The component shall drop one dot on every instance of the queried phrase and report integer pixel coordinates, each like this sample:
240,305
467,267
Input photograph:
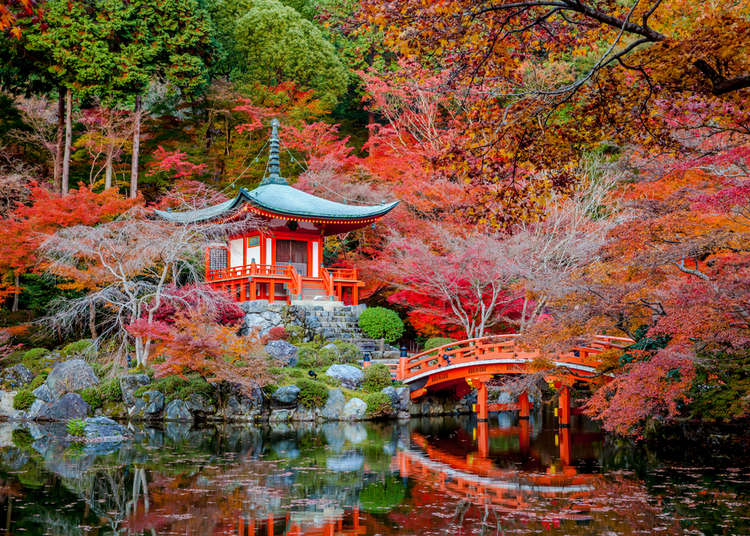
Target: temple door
292,252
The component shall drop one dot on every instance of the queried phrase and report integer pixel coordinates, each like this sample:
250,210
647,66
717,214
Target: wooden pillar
523,406
355,515
270,525
483,439
251,527
253,290
271,291
241,526
355,295
481,399
564,405
401,372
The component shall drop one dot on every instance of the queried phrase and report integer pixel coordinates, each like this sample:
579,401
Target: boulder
149,407
43,393
177,410
354,410
69,406
70,376
306,414
334,405
199,407
283,351
35,409
260,321
286,395
129,385
6,405
241,408
154,403
18,375
350,376
399,397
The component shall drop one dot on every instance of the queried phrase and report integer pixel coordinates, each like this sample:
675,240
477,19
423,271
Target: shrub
270,388
381,323
348,352
76,427
296,334
310,356
312,394
434,342
330,381
277,333
376,377
84,346
34,354
23,400
38,380
378,405
92,397
178,388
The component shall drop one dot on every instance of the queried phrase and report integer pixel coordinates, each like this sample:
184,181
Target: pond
438,476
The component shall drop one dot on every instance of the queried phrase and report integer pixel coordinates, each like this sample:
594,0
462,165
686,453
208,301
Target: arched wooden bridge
473,363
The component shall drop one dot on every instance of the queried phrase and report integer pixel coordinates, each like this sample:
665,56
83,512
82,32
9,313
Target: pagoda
282,259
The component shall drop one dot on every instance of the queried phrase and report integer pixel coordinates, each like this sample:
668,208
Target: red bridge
473,362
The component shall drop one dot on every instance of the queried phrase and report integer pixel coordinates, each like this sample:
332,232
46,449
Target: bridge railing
498,347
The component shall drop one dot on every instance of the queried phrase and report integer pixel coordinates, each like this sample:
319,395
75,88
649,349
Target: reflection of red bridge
475,476
286,525
476,361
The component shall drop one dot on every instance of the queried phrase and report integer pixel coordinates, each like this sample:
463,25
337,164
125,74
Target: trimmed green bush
434,342
23,400
381,323
76,427
312,394
77,348
348,352
296,334
34,354
376,378
378,405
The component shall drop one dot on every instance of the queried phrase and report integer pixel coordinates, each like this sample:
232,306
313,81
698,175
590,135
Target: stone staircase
336,321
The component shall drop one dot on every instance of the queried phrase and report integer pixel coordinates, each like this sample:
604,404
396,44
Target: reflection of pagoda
284,259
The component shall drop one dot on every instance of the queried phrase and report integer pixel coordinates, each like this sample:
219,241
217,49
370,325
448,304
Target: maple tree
26,227
194,341
132,264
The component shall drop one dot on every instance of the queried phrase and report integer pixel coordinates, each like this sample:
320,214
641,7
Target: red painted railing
498,347
325,275
346,274
264,270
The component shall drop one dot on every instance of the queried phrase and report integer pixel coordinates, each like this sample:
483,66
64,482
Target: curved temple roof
284,200
276,196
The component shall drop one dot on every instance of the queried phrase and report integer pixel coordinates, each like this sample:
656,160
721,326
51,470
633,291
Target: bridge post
564,405
523,405
482,412
401,372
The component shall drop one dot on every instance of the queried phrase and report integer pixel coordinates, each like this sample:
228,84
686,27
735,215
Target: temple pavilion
283,259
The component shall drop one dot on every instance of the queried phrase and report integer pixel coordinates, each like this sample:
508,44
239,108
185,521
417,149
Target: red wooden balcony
283,282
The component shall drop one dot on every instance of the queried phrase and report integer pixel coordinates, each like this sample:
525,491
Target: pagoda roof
285,201
275,197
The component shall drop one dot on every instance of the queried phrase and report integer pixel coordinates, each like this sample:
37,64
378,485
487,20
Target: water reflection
447,476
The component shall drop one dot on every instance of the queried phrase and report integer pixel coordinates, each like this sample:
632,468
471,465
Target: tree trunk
92,321
108,166
68,141
60,141
136,147
17,293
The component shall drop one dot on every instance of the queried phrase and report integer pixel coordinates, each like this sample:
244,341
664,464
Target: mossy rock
23,400
84,347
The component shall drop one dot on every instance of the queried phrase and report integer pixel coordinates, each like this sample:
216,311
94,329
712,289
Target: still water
441,476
